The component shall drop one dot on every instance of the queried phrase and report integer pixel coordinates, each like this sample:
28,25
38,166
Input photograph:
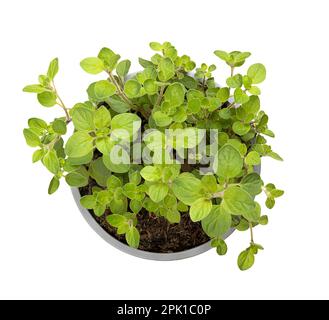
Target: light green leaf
77,178
175,94
102,118
125,125
37,155
156,46
133,237
104,89
235,81
229,163
123,68
158,192
53,186
252,183
150,173
50,161
59,126
253,158
238,201
223,94
132,88
83,119
52,69
187,188
241,128
257,73
31,138
99,172
117,104
47,98
161,119
35,88
217,223
79,144
240,96
150,86
118,162
116,220
221,248
200,209
92,65
246,259
88,201
109,58
222,55
252,106
166,69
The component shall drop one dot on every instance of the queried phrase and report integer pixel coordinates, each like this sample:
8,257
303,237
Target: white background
48,251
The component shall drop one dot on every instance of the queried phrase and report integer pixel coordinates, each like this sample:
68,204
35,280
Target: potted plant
165,161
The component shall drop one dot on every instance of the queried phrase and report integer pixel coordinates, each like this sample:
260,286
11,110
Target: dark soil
157,234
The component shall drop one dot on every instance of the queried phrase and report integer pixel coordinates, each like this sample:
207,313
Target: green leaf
222,55
35,88
53,185
158,192
263,220
200,209
47,98
119,162
52,69
104,89
238,202
79,144
274,155
150,86
217,223
51,162
117,104
223,94
59,126
31,138
240,96
194,105
99,172
270,203
92,65
125,125
135,205
37,155
246,259
150,173
175,94
229,163
241,128
102,118
161,119
166,69
276,193
156,46
253,158
173,216
132,88
145,63
235,81
116,220
252,183
254,90
257,73
123,68
83,119
104,144
252,106
187,188
88,202
109,58
78,178
221,247
133,237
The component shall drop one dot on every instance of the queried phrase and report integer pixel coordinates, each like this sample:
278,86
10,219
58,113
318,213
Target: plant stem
124,97
61,104
232,71
251,233
160,96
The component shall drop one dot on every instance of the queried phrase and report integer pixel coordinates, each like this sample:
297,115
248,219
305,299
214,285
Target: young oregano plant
165,140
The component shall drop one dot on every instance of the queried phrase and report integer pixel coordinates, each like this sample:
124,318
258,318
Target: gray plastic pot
140,253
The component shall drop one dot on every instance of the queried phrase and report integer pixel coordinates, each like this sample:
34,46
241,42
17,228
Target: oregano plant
169,140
